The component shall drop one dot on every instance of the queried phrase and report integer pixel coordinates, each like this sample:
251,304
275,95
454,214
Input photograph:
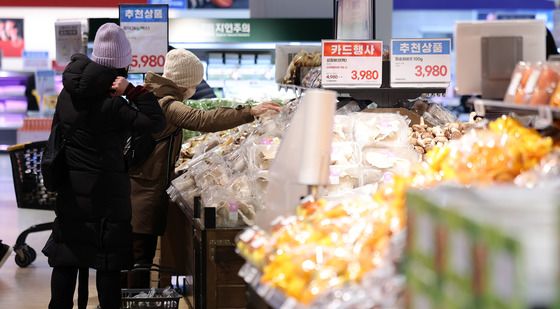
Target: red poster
70,3
11,37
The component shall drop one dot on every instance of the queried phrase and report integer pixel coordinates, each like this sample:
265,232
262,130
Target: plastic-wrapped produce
380,129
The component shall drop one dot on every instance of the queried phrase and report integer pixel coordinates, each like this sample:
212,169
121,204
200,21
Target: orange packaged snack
547,82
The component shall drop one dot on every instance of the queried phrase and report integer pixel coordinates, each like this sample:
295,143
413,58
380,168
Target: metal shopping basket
30,193
133,298
130,300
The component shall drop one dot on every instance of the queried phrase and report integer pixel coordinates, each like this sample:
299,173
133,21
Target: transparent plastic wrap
545,174
398,160
237,160
259,180
533,83
211,141
546,84
231,210
436,114
262,154
343,128
516,90
345,153
214,172
343,179
380,129
312,79
328,245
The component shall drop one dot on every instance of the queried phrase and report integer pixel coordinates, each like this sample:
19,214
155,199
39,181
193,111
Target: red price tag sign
142,61
146,27
420,63
352,64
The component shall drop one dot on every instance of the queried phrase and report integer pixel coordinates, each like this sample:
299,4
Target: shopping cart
30,193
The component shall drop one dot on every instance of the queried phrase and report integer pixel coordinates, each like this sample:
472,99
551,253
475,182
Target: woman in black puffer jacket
93,211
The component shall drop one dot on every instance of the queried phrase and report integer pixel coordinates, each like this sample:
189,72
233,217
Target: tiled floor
26,288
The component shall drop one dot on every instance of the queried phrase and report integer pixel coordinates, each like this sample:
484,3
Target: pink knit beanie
111,48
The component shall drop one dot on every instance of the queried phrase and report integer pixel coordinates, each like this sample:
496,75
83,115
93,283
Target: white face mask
189,93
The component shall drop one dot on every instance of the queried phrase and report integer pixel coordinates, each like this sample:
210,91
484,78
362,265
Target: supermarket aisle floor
25,288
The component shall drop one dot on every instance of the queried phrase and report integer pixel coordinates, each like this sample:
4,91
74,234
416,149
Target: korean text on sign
352,49
143,14
421,47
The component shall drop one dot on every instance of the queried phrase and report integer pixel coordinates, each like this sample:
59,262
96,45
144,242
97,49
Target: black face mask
122,72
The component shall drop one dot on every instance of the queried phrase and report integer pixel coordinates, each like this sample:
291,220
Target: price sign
352,64
146,27
420,63
69,40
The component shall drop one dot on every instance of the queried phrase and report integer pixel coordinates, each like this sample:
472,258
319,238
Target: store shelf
383,97
494,109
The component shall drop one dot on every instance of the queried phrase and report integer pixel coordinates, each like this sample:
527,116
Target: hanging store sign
420,63
182,30
146,27
173,4
352,64
69,40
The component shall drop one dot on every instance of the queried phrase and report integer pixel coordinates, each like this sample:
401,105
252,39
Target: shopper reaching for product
183,71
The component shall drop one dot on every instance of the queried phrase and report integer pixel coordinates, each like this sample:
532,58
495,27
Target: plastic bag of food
395,159
380,129
312,79
516,90
546,84
343,179
439,115
343,128
345,153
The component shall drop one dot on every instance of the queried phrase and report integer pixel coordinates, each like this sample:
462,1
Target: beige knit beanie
184,69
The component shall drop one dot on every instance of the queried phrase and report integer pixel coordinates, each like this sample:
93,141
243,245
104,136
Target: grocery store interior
414,161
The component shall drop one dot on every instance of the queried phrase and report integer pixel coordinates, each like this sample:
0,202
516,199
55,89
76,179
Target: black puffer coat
93,211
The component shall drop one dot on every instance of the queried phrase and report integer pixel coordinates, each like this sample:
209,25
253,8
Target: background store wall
321,9
39,27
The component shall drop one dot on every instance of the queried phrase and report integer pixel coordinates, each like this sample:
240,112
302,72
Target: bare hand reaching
262,108
119,86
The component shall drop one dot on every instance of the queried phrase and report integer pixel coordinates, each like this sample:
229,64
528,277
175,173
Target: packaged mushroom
345,153
263,153
343,128
300,60
398,160
380,129
424,138
343,179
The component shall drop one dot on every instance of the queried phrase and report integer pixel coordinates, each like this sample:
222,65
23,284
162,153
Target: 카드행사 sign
352,64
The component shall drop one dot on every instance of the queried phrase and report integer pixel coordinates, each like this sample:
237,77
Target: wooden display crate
215,264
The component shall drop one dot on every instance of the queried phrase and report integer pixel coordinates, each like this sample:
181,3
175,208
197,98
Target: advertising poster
218,4
68,40
11,37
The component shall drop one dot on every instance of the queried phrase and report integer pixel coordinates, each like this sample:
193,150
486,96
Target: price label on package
352,64
146,27
420,63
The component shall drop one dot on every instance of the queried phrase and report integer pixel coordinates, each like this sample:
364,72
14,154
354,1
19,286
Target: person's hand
119,86
262,108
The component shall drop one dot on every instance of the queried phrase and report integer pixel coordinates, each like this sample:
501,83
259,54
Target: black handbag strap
74,126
